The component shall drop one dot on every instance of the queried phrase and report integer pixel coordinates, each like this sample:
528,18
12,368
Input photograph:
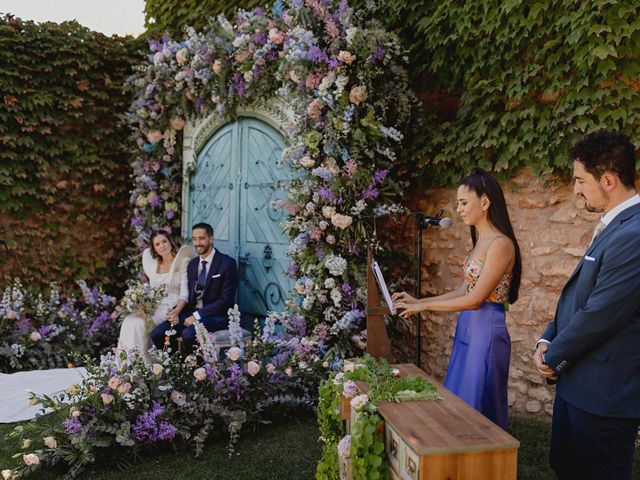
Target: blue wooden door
238,177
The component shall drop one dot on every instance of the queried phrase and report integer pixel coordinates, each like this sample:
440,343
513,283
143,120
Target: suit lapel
213,269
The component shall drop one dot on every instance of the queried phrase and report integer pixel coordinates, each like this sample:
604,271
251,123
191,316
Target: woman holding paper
479,365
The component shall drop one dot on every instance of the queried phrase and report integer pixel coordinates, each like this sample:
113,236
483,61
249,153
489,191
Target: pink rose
11,315
154,137
234,354
346,57
31,459
106,398
276,36
271,367
200,374
331,239
113,383
341,221
253,368
35,337
307,161
50,442
314,109
157,369
358,95
124,388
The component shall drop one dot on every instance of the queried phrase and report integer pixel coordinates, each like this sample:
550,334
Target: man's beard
590,208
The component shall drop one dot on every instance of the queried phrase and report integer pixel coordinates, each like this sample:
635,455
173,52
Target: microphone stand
420,225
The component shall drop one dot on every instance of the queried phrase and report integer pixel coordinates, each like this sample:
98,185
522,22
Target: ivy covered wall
504,83
64,153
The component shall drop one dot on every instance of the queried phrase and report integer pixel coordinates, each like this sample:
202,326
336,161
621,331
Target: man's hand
538,362
190,320
172,316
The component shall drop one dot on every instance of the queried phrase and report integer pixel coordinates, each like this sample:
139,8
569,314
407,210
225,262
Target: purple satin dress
479,366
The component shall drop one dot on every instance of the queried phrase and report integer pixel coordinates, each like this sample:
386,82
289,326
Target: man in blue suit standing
592,347
207,291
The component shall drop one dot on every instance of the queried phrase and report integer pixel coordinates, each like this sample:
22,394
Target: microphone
442,222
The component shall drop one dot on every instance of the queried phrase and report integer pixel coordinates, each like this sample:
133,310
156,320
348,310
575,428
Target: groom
207,291
592,347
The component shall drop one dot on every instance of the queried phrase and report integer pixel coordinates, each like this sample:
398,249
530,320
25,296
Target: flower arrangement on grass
126,405
365,445
344,79
39,331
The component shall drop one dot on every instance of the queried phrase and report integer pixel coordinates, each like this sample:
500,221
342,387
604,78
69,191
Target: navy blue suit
595,351
218,296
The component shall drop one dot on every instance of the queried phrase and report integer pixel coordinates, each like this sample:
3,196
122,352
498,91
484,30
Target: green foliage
64,163
530,78
331,427
172,16
368,460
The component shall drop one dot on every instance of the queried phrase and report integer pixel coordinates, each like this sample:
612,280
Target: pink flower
346,57
276,36
234,354
200,374
316,233
360,401
323,225
307,161
154,137
113,382
331,239
106,398
7,475
288,371
35,337
11,315
314,109
328,211
341,221
31,459
157,369
178,398
177,123
50,442
358,95
253,368
271,367
124,388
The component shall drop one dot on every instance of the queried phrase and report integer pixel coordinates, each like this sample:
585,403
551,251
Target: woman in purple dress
479,365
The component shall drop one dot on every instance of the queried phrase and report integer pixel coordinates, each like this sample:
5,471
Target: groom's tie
202,278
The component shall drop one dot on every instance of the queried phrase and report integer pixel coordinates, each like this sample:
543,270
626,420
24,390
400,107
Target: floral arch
341,79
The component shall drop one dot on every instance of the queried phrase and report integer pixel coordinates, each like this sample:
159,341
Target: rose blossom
154,137
271,367
314,109
177,123
346,57
328,211
341,221
106,398
276,36
349,388
234,354
157,369
50,442
31,459
359,402
253,368
35,336
200,374
331,239
358,95
124,388
307,161
11,315
113,383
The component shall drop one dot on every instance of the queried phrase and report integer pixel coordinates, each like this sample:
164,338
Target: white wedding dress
14,387
133,332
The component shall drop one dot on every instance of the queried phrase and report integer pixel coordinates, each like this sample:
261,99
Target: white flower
50,442
181,56
336,296
75,412
157,369
335,264
234,354
200,374
395,372
351,33
253,368
330,283
7,474
302,365
360,401
31,459
328,211
288,371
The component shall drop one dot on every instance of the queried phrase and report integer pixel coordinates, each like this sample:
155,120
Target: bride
164,264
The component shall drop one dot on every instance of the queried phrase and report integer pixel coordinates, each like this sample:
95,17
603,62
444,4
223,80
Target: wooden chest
443,439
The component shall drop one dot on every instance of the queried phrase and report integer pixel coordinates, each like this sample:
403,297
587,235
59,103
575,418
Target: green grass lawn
287,450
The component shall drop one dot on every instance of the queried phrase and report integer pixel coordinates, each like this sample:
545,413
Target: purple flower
147,429
292,270
23,326
377,55
316,55
238,84
379,176
370,193
170,214
156,201
333,63
326,194
72,426
137,221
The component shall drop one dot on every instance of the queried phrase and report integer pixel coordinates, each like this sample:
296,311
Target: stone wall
553,231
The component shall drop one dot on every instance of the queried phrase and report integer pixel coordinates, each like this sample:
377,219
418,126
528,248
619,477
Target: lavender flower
73,426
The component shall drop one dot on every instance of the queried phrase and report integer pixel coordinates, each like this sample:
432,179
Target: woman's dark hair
604,151
482,183
164,233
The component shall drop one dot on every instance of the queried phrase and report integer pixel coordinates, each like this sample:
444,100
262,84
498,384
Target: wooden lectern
378,344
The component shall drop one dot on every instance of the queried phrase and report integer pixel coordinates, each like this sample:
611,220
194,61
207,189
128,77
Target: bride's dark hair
482,183
164,233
